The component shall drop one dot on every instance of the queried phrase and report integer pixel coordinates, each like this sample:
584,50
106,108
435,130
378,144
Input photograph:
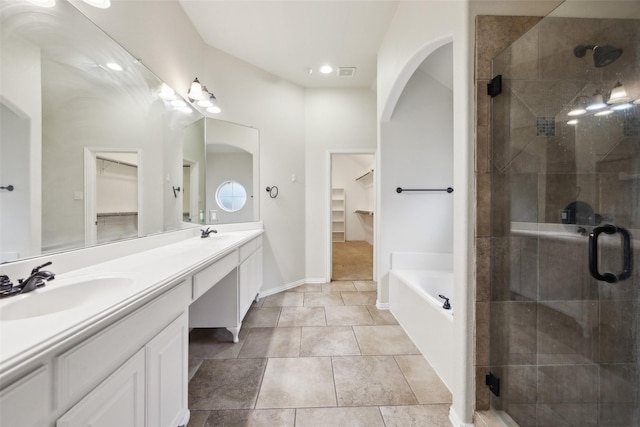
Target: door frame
90,197
194,189
327,207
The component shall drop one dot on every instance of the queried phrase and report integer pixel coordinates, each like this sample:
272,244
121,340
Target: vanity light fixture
102,4
603,113
577,111
206,98
618,94
622,106
215,108
179,103
596,102
195,91
167,93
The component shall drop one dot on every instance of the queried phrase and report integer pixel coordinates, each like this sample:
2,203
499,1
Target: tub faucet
446,304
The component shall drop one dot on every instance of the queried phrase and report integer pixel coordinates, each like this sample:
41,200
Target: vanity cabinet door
167,371
27,402
117,401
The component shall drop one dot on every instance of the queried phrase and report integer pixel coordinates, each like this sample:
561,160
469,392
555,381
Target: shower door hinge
495,87
493,382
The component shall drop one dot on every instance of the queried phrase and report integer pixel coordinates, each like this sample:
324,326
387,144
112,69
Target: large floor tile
370,380
297,383
384,340
416,416
226,384
284,299
425,383
328,341
261,317
348,316
339,286
322,299
307,287
252,418
365,285
214,343
352,417
302,316
381,317
359,298
271,342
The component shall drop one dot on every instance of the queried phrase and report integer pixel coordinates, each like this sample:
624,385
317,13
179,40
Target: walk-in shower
565,226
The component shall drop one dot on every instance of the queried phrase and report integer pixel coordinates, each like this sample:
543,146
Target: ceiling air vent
346,71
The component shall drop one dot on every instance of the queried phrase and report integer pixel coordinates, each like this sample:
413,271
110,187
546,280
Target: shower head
602,55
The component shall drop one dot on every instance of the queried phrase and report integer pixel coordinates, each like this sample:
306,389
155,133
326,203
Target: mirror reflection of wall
194,170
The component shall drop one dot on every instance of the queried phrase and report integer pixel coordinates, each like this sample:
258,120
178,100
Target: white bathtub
415,281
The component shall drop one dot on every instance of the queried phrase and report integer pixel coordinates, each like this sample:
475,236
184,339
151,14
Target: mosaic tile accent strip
545,126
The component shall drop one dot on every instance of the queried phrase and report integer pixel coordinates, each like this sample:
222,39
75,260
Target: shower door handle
627,254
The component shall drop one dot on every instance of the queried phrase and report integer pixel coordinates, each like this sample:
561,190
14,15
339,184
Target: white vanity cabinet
150,388
225,304
117,401
27,402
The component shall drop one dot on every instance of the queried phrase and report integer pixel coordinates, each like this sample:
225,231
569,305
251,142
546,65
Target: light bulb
195,91
596,103
618,94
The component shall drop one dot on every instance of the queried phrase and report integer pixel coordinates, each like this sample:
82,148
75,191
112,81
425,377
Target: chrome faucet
205,233
34,281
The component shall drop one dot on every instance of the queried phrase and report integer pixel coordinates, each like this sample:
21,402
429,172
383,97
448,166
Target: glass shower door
565,242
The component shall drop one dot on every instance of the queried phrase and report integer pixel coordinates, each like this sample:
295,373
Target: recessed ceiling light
113,66
326,69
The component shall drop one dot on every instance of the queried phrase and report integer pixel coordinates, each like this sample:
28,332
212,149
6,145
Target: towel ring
273,191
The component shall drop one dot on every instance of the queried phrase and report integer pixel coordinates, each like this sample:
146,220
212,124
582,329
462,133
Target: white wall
417,30
345,168
336,120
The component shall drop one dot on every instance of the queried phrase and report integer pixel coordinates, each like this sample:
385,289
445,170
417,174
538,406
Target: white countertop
151,272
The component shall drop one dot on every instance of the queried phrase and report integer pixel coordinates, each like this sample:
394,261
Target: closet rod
117,162
400,189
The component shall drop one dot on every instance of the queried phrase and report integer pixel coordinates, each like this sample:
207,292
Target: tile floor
316,355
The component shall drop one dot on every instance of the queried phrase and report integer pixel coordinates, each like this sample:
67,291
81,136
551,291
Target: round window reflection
231,196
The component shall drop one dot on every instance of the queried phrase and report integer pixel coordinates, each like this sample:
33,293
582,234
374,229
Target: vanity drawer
81,368
249,248
209,276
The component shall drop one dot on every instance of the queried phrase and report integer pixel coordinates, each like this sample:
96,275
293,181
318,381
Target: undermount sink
63,294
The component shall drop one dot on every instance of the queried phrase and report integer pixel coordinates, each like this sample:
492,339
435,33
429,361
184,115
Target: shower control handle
627,254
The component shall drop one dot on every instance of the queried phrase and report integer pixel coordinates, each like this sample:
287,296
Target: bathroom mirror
72,100
232,174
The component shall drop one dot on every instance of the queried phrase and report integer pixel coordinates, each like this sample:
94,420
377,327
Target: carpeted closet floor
352,260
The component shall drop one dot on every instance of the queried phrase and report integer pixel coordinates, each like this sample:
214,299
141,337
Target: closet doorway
352,215
113,195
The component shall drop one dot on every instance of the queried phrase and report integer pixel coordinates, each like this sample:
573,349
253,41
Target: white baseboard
382,305
455,420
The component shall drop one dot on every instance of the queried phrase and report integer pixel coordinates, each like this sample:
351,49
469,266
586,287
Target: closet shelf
365,175
364,212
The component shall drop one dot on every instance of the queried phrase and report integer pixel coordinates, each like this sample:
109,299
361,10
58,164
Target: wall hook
8,187
175,191
273,191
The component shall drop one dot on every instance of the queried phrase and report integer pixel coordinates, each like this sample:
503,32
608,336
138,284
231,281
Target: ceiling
290,37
